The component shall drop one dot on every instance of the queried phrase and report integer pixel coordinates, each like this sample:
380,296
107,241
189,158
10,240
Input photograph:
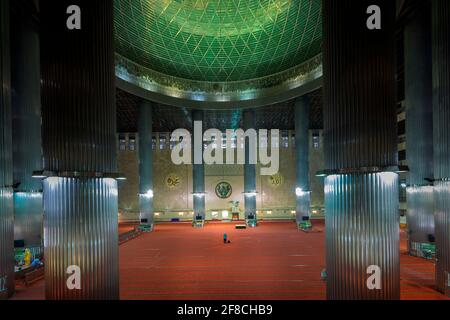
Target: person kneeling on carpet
225,239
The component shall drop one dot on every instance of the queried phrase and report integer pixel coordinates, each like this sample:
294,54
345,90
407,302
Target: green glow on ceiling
218,40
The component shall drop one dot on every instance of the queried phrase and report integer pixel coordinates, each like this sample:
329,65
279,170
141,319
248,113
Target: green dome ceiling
218,40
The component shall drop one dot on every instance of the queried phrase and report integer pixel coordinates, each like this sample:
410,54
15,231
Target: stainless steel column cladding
362,218
79,132
6,170
419,127
249,118
27,144
146,163
303,194
362,214
441,116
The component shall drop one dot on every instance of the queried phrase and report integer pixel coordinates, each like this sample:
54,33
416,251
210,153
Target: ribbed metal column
27,145
79,128
249,118
81,230
442,221
303,194
362,230
420,216
146,163
198,169
419,126
441,115
28,218
6,196
361,202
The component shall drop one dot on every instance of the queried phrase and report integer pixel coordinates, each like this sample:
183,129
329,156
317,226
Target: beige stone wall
128,165
173,186
316,163
175,196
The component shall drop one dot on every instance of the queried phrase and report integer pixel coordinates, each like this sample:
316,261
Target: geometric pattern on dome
218,40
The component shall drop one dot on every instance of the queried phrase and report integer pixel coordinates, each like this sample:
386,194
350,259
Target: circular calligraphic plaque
173,181
276,180
224,190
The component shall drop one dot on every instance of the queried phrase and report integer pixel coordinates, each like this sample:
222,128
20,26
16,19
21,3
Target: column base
442,223
199,208
250,210
362,236
81,239
252,223
198,223
147,228
146,213
303,209
6,244
420,219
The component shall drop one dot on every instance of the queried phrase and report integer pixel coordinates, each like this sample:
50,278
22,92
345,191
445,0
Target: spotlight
148,194
388,177
300,193
39,175
321,174
199,194
53,181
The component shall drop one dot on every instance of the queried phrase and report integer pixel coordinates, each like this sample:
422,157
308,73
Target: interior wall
173,184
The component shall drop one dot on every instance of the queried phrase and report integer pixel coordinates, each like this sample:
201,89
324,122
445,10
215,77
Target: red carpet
417,276
273,261
127,227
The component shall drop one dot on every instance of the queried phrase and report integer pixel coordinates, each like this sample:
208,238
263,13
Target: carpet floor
273,261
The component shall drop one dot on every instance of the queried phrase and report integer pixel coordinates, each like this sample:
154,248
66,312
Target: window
132,143
285,139
275,140
154,142
264,142
173,143
122,143
213,142
234,142
224,141
316,140
162,141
